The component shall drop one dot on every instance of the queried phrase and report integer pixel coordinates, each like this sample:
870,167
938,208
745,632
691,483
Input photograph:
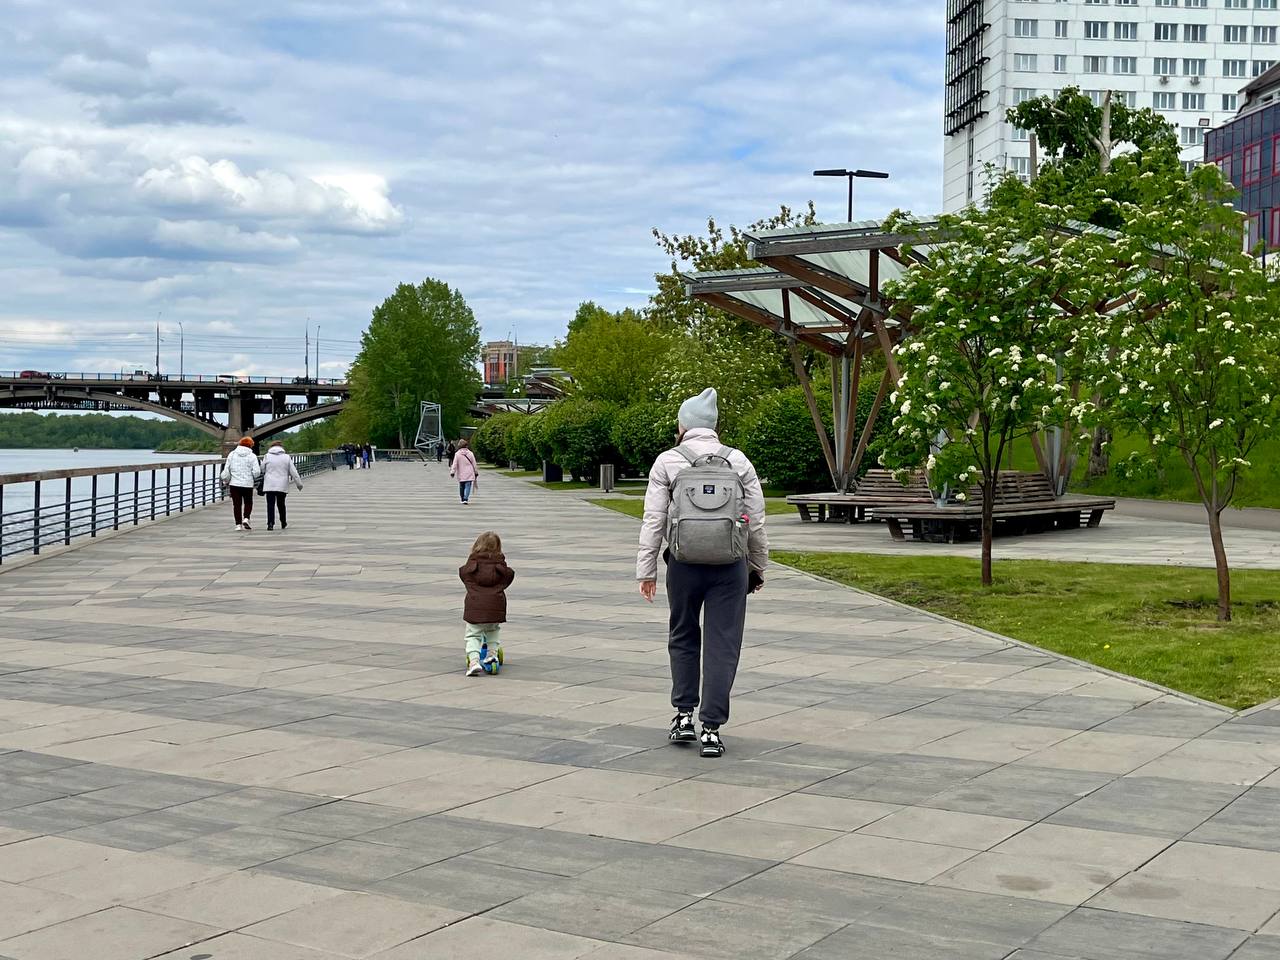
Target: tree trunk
988,527
1099,458
1220,561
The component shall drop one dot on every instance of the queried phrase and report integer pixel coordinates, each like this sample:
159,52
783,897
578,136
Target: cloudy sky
246,167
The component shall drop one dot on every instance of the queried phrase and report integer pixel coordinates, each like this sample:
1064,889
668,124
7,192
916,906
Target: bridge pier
240,410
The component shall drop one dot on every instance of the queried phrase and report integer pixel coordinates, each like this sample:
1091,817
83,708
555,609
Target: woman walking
240,473
278,471
465,470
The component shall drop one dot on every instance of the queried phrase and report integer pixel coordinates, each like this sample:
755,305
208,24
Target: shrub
781,442
492,441
641,432
524,439
575,435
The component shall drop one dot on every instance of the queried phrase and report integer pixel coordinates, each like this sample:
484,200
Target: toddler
487,577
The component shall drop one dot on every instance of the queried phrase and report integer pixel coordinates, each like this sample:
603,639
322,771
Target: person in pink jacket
464,469
714,593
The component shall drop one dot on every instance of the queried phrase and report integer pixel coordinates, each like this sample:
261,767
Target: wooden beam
823,279
869,427
838,242
851,411
886,345
761,317
805,384
830,309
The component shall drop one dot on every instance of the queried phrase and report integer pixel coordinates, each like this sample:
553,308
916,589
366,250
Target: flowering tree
989,339
1192,357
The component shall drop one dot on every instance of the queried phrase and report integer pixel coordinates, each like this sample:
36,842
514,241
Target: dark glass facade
965,93
1247,150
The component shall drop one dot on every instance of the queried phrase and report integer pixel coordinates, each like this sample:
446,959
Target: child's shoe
474,669
492,663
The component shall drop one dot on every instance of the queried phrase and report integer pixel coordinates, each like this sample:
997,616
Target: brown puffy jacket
487,576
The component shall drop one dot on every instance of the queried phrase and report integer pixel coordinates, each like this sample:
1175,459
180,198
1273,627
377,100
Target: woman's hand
649,589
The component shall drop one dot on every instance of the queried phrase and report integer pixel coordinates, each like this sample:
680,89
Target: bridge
192,399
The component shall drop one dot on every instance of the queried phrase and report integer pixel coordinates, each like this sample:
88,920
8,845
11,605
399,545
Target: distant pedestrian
464,468
487,577
449,451
713,562
278,471
366,454
349,452
240,473
439,450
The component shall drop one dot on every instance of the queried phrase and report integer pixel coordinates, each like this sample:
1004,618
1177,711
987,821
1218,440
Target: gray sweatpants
720,591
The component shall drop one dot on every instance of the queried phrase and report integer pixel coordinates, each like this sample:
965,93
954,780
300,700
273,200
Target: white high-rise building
1187,59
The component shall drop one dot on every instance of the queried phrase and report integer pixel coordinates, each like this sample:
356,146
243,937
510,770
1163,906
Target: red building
501,358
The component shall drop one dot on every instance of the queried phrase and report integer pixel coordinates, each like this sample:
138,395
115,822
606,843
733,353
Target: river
19,498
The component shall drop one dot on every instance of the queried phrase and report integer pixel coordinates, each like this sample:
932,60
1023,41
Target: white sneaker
238,527
474,669
246,526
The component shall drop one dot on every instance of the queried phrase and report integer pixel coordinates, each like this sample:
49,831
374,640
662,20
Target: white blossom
1216,424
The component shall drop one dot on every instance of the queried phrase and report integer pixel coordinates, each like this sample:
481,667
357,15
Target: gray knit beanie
700,411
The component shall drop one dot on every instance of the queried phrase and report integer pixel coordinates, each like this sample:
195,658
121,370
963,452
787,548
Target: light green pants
481,633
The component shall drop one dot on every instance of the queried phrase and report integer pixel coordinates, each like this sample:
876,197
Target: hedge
576,436
642,431
492,441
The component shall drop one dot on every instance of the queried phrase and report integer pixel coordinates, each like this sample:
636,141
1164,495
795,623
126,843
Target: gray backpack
706,521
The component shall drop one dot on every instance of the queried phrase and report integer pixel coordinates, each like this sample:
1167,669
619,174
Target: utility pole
157,345
182,348
306,350
317,353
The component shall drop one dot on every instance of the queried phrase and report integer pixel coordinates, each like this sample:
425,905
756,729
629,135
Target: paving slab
319,780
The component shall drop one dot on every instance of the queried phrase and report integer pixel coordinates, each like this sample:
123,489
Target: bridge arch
297,419
112,401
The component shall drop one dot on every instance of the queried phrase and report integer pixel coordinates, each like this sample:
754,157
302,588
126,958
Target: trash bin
606,477
551,473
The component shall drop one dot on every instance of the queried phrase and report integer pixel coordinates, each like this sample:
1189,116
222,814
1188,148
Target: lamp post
851,174
182,349
317,353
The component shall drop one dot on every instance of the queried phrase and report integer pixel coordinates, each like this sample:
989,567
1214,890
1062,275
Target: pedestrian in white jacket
240,473
720,590
278,471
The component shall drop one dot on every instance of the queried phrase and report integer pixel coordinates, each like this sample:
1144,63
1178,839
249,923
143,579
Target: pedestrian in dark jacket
487,577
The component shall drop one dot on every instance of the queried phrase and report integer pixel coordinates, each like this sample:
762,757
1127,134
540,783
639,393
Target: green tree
576,435
981,367
524,442
642,431
614,357
492,441
1191,358
423,343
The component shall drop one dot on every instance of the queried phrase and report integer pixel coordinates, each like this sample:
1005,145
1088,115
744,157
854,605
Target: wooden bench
877,488
1024,503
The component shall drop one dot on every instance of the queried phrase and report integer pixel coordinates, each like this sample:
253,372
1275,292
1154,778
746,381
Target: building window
1235,33
1252,163
1166,3
1026,28
1164,101
1237,4
1021,167
1264,4
1193,101
1128,97
1192,136
1195,32
1124,64
1024,62
1059,63
1126,31
1166,31
1095,96
1189,166
1060,29
1234,68
1095,30
968,190
1023,94
1017,134
1126,3
1264,34
1095,3
1262,66
1095,64
1275,160
1192,68
1197,3
1230,101
1165,66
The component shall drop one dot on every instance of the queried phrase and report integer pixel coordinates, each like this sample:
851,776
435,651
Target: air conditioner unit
1195,81
1164,80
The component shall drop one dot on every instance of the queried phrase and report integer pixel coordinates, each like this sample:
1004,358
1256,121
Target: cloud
123,89
355,202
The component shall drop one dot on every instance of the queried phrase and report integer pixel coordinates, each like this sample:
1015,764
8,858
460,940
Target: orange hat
246,441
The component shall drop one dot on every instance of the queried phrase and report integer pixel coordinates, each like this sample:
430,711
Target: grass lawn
521,474
1156,623
635,508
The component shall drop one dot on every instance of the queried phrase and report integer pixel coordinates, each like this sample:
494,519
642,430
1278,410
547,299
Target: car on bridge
33,375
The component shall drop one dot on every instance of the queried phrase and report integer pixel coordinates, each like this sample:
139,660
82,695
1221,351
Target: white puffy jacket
242,468
278,470
657,500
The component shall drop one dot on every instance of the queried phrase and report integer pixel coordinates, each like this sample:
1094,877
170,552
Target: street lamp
851,174
182,348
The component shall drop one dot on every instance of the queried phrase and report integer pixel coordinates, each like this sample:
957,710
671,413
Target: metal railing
146,376
53,507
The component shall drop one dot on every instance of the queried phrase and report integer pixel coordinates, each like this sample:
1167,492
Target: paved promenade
226,746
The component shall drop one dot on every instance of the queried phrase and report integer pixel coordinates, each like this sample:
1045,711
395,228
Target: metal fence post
93,507
168,489
35,521
153,494
1,523
115,504
66,516
135,497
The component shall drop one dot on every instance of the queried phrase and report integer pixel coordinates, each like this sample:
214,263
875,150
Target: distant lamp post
851,174
182,350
